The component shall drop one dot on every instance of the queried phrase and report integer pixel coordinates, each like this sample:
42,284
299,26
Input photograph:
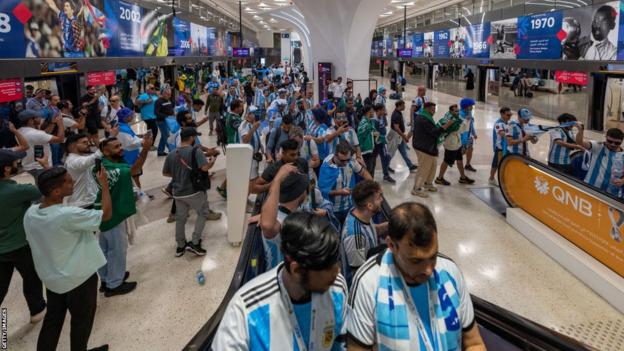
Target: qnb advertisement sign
589,222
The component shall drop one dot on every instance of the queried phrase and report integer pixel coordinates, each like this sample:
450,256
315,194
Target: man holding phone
38,139
249,134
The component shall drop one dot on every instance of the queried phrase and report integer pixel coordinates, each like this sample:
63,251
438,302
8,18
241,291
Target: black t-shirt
92,109
397,118
271,171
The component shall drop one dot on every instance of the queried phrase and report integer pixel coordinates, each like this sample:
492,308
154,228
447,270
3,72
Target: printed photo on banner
199,40
418,40
476,40
428,45
457,40
154,31
441,43
503,39
590,33
13,15
66,28
220,43
123,26
614,103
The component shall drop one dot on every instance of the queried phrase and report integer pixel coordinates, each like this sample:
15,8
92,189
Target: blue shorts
498,156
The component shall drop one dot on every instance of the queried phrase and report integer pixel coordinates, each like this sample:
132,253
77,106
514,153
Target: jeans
57,154
164,135
403,152
81,303
381,151
21,259
114,244
197,202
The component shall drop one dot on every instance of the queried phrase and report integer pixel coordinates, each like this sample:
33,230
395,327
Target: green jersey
232,122
122,193
365,135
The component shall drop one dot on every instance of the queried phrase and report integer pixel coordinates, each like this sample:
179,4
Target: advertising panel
540,35
418,40
69,28
503,39
476,41
181,44
10,90
101,78
441,43
240,52
428,44
123,25
324,79
590,33
404,53
592,224
13,15
569,77
457,42
154,33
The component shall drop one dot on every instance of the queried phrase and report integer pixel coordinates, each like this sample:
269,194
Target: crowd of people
339,274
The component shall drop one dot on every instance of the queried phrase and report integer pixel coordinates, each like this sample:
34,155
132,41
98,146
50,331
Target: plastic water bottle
201,279
617,170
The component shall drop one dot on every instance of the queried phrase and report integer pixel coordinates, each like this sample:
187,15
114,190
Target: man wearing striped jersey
408,298
249,134
562,144
337,178
603,155
300,304
517,138
499,141
360,233
287,192
342,132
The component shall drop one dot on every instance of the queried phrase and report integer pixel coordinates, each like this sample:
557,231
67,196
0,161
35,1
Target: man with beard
113,236
300,304
603,23
359,232
79,162
408,298
14,250
37,138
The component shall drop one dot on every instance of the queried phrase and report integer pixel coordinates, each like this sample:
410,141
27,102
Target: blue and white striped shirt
257,318
600,166
357,238
244,129
343,180
499,135
516,131
272,253
349,136
259,99
559,155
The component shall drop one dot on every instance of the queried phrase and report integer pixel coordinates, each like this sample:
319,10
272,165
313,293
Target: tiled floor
169,306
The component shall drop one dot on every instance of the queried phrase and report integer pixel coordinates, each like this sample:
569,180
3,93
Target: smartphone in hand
98,165
38,151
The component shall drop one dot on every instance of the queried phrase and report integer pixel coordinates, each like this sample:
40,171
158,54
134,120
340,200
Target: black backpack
220,129
200,179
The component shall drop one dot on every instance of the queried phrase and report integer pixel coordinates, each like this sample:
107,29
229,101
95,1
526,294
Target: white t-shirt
85,186
35,137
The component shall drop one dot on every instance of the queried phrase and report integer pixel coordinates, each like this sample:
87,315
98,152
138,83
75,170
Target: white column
238,168
341,32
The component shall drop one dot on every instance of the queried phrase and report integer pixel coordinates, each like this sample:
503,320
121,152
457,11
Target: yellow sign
593,224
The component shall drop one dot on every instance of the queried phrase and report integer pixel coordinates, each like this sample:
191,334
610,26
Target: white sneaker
420,192
493,182
38,317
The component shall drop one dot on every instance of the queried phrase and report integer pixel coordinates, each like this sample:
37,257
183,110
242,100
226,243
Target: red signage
101,78
10,90
568,77
378,62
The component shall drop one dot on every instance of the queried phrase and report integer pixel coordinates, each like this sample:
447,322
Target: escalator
501,329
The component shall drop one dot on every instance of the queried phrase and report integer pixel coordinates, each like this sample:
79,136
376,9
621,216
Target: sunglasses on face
613,142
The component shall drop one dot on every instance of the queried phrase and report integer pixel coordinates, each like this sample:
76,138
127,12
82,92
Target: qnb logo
541,185
563,196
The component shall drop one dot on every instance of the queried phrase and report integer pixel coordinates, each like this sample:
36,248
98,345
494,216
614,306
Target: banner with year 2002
124,27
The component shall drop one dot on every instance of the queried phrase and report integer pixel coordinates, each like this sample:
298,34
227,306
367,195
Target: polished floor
499,264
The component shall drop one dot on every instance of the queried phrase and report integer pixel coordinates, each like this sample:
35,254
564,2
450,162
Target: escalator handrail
502,322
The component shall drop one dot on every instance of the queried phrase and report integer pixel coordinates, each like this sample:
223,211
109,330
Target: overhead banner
199,40
181,43
587,221
539,36
418,40
13,15
124,27
101,78
10,90
441,43
476,41
457,42
428,44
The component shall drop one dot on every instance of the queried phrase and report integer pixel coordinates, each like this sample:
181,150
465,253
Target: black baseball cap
188,132
293,186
